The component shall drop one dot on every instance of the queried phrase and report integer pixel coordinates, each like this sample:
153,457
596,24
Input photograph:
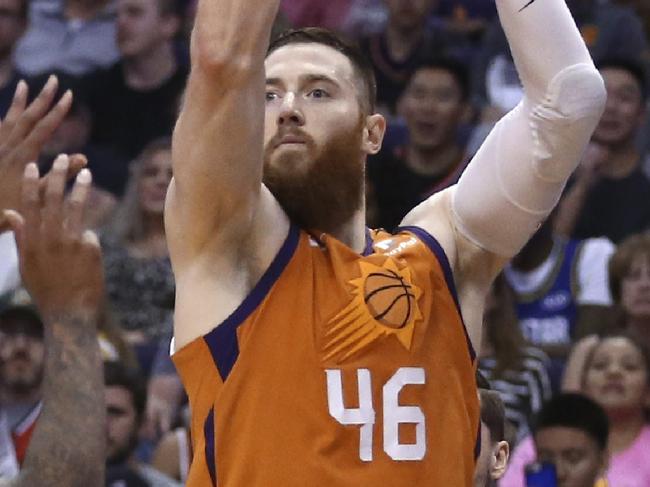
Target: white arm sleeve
593,272
518,174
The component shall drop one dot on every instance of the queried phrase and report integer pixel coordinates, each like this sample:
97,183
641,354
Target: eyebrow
305,79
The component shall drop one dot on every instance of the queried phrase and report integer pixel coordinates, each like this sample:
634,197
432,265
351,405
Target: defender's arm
218,139
518,174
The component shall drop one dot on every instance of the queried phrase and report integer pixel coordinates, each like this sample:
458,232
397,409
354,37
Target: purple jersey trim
222,340
208,434
439,252
369,250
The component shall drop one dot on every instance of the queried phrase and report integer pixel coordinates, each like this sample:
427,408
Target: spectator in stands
13,21
398,49
136,99
434,106
74,36
610,189
610,31
514,369
561,292
615,372
495,451
125,404
571,432
138,272
22,355
629,279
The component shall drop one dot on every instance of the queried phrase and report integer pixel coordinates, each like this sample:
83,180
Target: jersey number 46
394,414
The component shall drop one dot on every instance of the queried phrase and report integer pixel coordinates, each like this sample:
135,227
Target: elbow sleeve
518,175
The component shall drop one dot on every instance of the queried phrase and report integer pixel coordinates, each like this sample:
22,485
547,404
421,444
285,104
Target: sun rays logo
385,303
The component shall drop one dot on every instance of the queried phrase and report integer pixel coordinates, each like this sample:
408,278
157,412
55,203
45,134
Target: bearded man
315,351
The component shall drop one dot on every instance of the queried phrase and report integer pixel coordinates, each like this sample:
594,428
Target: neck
353,232
432,162
150,69
82,10
622,162
624,429
6,69
11,397
402,42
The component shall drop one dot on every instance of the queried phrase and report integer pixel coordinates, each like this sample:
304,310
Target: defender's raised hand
23,132
60,263
62,270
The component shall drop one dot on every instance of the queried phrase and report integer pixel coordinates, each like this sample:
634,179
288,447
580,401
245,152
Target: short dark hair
493,414
455,68
316,35
631,66
117,374
574,411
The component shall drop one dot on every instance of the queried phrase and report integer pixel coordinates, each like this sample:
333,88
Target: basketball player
315,352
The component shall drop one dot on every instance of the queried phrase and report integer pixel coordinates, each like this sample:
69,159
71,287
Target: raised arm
61,268
218,140
517,176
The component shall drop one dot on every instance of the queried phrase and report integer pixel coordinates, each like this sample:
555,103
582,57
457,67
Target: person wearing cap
22,355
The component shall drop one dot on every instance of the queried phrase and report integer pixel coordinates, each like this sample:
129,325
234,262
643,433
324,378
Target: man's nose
290,113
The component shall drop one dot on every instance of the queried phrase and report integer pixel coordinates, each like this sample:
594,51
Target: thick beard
330,191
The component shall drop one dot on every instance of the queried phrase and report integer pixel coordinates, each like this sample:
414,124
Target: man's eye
318,93
270,96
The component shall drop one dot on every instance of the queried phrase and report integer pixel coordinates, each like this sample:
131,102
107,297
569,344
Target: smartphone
541,474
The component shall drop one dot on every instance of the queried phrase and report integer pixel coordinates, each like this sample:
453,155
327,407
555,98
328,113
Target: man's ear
500,456
373,133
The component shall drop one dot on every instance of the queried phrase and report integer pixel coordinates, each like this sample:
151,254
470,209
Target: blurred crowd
567,325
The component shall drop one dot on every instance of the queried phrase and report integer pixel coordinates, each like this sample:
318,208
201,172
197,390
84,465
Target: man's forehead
311,58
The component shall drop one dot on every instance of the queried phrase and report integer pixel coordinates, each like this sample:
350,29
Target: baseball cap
18,314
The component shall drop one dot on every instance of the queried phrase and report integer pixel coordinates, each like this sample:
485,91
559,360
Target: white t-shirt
591,272
9,273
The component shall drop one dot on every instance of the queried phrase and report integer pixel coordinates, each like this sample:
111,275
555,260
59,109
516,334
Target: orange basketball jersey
338,369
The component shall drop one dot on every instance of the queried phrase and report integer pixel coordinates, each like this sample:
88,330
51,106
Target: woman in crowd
139,278
615,372
629,281
517,371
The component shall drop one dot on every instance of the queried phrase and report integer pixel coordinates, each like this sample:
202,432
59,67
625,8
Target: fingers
28,118
14,221
77,163
77,205
17,107
40,127
54,191
31,204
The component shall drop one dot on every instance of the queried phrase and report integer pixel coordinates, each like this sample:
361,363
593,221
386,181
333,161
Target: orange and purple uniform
338,369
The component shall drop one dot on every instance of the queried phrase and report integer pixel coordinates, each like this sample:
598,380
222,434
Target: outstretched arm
517,176
61,267
218,140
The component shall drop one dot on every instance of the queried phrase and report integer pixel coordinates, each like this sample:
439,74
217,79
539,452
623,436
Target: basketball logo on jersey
384,303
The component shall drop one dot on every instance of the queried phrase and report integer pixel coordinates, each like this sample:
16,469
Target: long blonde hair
127,223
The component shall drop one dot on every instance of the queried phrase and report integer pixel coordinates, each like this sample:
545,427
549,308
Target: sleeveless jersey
548,317
337,370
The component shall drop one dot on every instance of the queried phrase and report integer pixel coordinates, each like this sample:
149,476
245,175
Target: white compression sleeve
517,176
